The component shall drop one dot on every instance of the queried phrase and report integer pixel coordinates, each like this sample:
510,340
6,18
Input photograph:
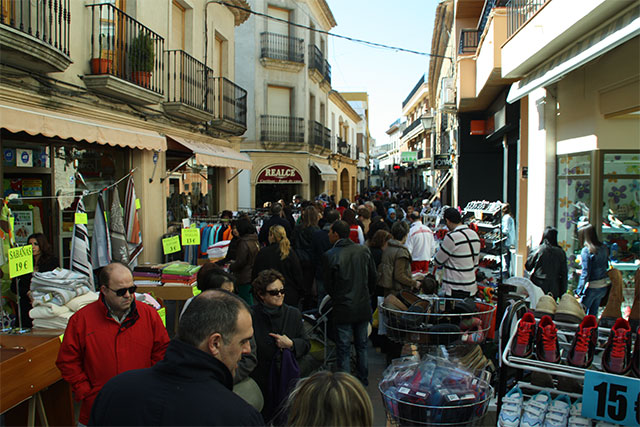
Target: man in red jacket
109,336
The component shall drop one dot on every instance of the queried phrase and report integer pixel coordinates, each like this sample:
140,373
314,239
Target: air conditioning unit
447,93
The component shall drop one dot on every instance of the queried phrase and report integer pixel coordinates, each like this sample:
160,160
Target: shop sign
442,161
612,398
279,174
409,156
24,158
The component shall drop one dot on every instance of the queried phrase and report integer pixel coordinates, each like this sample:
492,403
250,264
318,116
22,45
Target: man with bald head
109,336
192,384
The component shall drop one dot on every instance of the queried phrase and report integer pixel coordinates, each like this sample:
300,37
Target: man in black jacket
350,279
275,219
319,245
192,384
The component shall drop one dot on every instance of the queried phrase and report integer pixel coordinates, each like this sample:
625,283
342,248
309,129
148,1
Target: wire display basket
404,408
439,321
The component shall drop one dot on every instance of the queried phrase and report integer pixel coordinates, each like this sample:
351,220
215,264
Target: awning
35,121
327,173
215,155
596,43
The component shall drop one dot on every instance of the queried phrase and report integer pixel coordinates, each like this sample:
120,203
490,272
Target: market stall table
178,293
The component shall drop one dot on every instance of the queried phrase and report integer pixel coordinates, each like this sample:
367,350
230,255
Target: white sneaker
555,419
511,408
558,412
535,410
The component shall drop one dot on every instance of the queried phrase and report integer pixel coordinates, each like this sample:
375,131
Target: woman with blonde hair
342,400
279,256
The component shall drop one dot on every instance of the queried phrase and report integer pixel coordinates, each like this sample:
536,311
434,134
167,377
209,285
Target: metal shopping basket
440,323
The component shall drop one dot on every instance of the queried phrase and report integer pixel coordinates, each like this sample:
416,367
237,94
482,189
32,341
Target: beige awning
36,121
327,173
215,155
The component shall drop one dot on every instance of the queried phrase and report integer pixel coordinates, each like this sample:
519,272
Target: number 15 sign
612,398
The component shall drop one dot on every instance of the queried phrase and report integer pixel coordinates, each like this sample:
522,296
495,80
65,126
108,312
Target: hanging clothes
80,249
101,240
132,224
119,248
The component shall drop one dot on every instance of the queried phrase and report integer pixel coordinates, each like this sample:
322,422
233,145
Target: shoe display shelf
566,332
435,324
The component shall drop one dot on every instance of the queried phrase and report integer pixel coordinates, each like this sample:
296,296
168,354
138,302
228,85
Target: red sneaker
617,352
547,348
584,343
523,344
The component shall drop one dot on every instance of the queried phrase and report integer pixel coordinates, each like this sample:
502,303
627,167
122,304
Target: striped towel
100,241
80,249
119,249
131,223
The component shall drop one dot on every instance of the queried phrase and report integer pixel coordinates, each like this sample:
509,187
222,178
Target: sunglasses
122,291
276,292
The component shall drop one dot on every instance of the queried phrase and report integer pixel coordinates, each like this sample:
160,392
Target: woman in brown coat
247,250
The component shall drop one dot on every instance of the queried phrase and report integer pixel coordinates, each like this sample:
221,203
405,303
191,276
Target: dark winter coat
302,242
248,248
269,257
273,220
350,280
549,265
187,387
320,244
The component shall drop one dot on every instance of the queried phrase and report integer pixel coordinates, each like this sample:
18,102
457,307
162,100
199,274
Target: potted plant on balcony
103,64
141,59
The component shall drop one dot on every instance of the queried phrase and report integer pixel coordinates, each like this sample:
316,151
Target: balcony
343,148
319,136
519,12
319,68
187,95
281,52
34,34
127,58
230,106
281,129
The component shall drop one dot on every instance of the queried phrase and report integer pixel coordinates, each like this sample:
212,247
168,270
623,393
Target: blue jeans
343,347
592,299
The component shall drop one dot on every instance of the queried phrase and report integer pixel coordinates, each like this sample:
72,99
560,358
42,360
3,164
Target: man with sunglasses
109,336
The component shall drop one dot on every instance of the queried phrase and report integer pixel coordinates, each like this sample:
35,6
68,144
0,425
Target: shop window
191,194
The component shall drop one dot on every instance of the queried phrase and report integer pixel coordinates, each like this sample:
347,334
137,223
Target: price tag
170,245
196,291
190,236
163,316
20,261
611,398
80,218
138,204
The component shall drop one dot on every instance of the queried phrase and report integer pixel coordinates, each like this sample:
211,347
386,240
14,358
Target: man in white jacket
420,243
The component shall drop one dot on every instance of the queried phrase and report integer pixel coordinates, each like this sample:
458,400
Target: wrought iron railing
186,77
284,48
468,40
281,129
317,62
414,124
319,135
124,48
519,12
230,101
327,71
46,20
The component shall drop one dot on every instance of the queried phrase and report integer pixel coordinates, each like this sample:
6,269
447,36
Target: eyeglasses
276,292
120,292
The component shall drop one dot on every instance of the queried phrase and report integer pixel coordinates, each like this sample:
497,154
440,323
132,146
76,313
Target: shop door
344,184
274,192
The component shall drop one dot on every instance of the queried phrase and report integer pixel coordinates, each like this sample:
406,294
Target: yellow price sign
190,236
20,261
163,316
80,218
138,204
170,245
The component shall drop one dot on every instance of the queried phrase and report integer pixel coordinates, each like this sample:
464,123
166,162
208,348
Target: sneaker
558,412
546,306
616,358
575,416
535,410
635,361
511,408
547,348
584,343
525,336
569,310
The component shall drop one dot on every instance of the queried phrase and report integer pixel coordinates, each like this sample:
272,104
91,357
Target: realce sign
279,174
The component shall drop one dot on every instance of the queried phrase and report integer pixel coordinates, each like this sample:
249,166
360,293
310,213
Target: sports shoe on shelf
511,408
523,342
635,360
584,343
575,416
569,310
535,410
558,411
547,348
546,306
616,358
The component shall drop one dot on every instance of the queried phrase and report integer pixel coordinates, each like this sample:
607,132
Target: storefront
277,182
347,172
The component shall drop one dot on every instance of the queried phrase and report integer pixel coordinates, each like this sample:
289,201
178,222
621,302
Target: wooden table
29,378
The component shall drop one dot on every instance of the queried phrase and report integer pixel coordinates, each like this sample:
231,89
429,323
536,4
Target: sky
387,76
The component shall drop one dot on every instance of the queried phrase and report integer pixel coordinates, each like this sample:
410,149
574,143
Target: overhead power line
365,42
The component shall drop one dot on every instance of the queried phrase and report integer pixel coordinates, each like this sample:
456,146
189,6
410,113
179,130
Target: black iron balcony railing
230,101
414,124
468,40
327,71
343,148
124,48
281,129
284,48
46,20
319,135
317,62
326,138
186,81
519,12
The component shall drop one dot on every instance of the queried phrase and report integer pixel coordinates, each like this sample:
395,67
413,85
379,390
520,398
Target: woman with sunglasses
43,260
280,339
